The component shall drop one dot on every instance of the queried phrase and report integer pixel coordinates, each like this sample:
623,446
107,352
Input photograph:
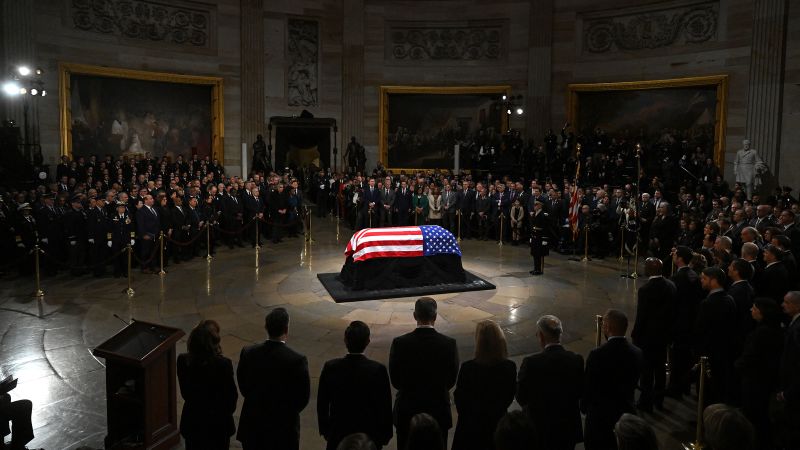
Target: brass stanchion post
308,215
415,217
502,218
258,233
370,218
38,292
337,222
621,243
599,330
161,255
458,218
208,243
130,290
698,438
585,242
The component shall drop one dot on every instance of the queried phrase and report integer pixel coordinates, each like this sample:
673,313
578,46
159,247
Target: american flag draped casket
395,257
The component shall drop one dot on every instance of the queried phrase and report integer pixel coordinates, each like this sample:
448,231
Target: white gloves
132,242
91,241
73,242
109,244
45,241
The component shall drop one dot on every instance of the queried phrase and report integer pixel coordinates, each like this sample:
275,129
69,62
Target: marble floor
47,343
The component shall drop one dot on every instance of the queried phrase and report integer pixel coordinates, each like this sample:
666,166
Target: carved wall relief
302,56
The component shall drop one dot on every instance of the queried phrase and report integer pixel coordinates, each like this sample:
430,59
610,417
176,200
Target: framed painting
126,113
691,109
420,126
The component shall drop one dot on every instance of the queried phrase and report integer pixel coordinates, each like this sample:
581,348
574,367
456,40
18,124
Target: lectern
141,389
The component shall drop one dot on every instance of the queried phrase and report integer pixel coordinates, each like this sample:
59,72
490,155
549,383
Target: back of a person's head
615,322
490,343
203,342
356,441
356,336
516,431
277,322
424,434
425,309
726,428
634,433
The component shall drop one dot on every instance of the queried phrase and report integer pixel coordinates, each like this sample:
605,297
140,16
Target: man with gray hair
789,386
550,386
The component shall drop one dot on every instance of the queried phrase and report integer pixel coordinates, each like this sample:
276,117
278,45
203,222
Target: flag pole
574,206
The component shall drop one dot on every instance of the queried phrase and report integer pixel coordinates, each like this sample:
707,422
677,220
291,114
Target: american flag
574,201
401,242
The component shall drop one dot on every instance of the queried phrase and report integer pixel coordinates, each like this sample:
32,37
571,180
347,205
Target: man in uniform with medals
540,231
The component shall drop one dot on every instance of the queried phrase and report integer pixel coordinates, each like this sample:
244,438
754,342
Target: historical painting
302,54
687,111
132,113
424,127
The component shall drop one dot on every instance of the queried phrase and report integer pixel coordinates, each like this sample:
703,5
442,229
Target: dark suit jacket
774,282
209,395
790,366
688,296
354,397
373,196
612,372
716,319
742,295
423,366
482,396
655,314
148,223
402,203
275,384
758,365
549,389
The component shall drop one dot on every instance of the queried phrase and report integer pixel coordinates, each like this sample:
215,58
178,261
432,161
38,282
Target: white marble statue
748,167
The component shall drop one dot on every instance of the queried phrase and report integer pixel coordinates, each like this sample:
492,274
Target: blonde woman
435,206
485,389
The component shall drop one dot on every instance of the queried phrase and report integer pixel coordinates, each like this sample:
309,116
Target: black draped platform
393,273
342,293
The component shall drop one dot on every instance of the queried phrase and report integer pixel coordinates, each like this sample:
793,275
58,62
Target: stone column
540,40
253,99
18,48
765,89
352,77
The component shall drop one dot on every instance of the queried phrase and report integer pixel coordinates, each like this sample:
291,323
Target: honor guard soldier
540,230
121,235
26,235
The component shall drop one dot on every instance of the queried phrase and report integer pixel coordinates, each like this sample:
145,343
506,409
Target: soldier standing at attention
540,230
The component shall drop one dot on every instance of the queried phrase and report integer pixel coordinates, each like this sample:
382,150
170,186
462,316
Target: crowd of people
554,387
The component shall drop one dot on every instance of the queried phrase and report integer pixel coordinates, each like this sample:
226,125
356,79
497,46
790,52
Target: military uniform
121,234
77,236
26,236
539,240
98,227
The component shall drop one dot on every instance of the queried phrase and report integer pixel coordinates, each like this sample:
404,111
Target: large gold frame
720,81
383,111
65,70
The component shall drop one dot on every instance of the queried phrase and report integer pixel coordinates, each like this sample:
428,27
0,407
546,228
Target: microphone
121,319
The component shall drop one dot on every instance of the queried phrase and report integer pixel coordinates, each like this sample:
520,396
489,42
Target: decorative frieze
446,42
302,56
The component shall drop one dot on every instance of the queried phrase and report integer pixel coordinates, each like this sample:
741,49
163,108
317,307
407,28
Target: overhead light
34,91
508,111
505,97
519,111
39,71
11,88
44,92
23,91
24,70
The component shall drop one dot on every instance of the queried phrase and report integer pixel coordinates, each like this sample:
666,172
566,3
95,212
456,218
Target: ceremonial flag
401,242
574,201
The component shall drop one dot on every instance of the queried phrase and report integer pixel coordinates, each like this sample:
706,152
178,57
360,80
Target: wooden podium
141,392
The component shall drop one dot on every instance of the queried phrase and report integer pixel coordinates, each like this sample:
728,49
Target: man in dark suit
148,226
789,385
713,328
279,207
740,290
774,281
402,204
652,332
370,206
612,371
549,387
466,206
275,384
423,366
354,393
387,203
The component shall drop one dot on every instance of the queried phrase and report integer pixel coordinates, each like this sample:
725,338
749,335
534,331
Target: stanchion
208,243
621,243
502,218
458,218
38,292
415,217
701,394
337,223
161,256
257,257
309,239
598,339
370,218
130,290
258,232
586,243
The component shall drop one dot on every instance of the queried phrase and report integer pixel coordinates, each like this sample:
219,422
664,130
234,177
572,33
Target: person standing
540,232
689,293
550,386
716,322
208,390
789,384
77,235
354,393
612,371
147,227
387,203
652,333
121,235
279,207
423,366
402,204
484,390
275,384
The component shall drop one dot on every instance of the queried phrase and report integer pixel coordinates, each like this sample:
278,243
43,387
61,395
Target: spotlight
11,88
23,91
39,71
508,111
505,97
519,111
24,70
44,92
34,91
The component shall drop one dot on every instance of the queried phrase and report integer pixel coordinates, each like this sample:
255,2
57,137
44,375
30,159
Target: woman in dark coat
759,365
208,390
485,388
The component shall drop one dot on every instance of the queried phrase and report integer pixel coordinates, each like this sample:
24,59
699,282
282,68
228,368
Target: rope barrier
150,259
190,241
81,267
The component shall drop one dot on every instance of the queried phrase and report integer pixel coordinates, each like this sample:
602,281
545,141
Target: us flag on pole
574,201
401,242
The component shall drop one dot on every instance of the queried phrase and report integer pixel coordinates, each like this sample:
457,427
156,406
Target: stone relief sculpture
653,29
302,55
143,19
442,43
